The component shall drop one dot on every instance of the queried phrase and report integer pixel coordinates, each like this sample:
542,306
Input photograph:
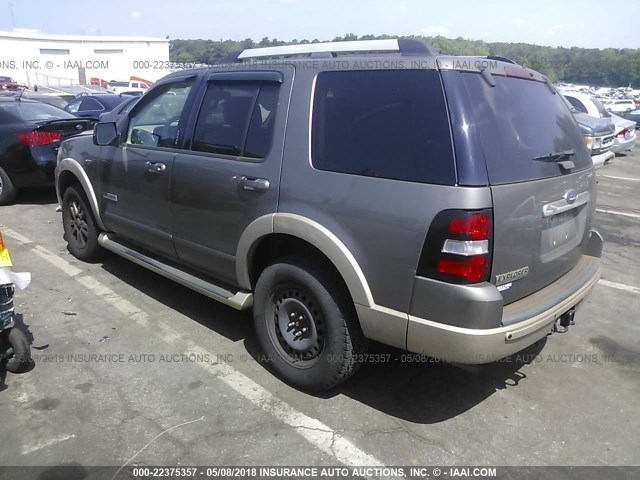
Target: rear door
542,210
229,171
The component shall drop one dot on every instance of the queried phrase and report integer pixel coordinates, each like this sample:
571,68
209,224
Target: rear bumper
602,159
623,145
476,346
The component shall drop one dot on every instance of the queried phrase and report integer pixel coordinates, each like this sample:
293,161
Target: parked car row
32,126
605,133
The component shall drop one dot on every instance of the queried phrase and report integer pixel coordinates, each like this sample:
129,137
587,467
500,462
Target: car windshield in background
33,111
511,137
7,79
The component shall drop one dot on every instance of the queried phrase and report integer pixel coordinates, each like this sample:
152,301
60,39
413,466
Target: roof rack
501,59
398,45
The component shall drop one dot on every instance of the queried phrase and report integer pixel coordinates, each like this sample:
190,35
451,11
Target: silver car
625,134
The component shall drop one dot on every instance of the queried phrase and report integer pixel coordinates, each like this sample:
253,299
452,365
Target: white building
66,60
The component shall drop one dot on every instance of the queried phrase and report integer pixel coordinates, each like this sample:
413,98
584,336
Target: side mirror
105,134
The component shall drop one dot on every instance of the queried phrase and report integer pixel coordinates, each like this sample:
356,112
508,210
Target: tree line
610,67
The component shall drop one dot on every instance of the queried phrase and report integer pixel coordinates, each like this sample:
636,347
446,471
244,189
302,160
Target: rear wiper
559,158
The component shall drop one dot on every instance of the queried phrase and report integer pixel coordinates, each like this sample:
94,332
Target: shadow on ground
36,196
418,390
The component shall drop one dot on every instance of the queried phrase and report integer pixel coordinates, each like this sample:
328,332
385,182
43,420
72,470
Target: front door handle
254,184
155,167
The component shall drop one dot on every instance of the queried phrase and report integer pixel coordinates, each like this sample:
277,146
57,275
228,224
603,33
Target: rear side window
389,124
517,121
577,103
89,103
237,119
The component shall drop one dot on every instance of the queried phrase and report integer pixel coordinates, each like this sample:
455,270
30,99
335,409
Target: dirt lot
127,356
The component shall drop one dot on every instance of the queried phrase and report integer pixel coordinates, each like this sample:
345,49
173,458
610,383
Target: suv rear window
517,121
390,124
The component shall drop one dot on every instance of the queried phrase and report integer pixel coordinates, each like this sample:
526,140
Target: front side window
389,124
237,119
157,123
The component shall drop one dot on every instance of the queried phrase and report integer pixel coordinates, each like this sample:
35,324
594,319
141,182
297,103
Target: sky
567,23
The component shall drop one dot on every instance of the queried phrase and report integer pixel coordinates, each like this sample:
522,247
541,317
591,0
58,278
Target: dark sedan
92,106
30,135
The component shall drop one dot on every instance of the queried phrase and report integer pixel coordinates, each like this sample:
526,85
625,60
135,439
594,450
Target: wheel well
280,245
66,180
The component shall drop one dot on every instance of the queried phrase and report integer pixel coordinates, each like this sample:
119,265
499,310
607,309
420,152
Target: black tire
80,227
7,189
20,361
330,350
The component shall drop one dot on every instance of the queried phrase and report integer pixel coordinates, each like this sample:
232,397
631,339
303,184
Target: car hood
592,125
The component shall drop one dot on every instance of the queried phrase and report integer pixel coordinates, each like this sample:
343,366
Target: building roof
30,35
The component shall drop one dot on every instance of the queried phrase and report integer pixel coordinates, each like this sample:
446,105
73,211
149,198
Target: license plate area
562,232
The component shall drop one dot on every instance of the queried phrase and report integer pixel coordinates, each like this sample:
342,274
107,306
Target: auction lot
132,368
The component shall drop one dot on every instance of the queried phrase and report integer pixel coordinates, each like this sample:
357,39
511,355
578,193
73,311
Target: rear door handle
254,184
155,167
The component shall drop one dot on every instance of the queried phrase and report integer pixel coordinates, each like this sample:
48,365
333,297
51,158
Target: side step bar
240,300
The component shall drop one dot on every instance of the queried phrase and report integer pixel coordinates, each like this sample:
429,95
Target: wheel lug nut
300,318
293,314
304,330
291,324
297,334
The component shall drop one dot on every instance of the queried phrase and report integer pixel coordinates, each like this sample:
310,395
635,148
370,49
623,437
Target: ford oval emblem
79,127
570,196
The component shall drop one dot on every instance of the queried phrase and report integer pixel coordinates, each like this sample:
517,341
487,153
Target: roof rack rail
500,59
399,45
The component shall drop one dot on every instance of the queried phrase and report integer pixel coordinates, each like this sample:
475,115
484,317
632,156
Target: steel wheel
296,327
306,324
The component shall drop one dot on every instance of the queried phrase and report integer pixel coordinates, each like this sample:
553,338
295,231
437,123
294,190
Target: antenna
13,18
22,92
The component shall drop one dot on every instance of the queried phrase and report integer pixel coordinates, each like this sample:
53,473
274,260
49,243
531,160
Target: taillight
33,139
622,132
458,247
477,226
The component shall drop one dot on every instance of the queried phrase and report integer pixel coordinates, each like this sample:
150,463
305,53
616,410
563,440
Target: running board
240,300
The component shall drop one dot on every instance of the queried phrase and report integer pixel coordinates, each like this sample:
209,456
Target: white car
623,105
587,104
128,86
625,134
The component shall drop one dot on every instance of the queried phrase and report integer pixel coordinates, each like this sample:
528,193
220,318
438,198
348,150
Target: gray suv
349,192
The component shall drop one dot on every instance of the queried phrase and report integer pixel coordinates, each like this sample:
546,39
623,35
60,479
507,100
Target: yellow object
5,258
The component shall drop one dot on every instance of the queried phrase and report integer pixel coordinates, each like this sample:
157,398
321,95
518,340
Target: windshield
517,121
7,79
33,111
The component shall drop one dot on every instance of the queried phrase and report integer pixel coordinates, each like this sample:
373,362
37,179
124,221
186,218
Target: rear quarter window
390,124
